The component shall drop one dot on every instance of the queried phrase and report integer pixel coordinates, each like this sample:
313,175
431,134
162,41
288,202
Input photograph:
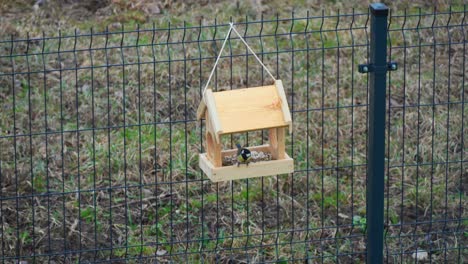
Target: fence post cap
379,9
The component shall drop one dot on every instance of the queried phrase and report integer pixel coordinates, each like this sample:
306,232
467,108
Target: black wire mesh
99,143
426,152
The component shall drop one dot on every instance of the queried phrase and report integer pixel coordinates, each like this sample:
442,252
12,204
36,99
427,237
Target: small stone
85,88
420,255
147,193
161,252
153,9
18,83
343,216
115,26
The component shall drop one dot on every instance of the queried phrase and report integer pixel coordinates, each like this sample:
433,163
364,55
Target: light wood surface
281,148
201,109
255,169
273,140
213,147
249,109
213,116
276,138
284,105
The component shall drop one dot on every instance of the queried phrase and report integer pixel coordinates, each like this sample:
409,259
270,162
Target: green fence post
377,68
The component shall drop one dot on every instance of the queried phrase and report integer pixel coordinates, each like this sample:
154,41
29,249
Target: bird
243,155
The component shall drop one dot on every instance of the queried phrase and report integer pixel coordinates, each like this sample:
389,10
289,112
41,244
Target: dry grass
118,170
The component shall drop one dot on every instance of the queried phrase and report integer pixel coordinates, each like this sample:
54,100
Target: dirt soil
48,16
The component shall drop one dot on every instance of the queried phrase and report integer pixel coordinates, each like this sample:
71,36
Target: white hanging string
247,45
232,28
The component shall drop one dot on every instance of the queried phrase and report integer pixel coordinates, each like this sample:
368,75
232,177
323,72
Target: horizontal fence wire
99,143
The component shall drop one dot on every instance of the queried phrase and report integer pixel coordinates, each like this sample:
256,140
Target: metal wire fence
99,143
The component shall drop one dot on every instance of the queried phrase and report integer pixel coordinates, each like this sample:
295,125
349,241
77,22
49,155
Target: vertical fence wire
462,131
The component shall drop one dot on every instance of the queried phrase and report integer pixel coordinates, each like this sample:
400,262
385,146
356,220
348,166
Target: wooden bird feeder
242,110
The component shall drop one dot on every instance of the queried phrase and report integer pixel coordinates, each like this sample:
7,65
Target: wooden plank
217,157
201,109
284,104
205,165
213,114
273,140
213,148
256,169
249,109
208,126
281,150
276,140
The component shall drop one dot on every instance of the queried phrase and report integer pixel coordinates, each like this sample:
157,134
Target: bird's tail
238,146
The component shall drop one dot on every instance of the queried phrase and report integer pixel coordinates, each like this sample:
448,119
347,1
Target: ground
129,184
37,16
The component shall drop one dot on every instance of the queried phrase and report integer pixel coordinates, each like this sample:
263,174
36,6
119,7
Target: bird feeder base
254,169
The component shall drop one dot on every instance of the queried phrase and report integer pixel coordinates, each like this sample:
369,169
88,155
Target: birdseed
256,156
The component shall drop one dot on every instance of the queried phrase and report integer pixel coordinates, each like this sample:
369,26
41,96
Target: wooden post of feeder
276,138
213,146
277,135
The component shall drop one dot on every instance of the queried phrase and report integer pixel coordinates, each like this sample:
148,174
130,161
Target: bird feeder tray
255,169
244,110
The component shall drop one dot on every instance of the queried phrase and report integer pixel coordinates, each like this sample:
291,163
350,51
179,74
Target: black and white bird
243,155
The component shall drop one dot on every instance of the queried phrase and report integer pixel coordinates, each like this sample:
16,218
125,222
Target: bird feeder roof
247,109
